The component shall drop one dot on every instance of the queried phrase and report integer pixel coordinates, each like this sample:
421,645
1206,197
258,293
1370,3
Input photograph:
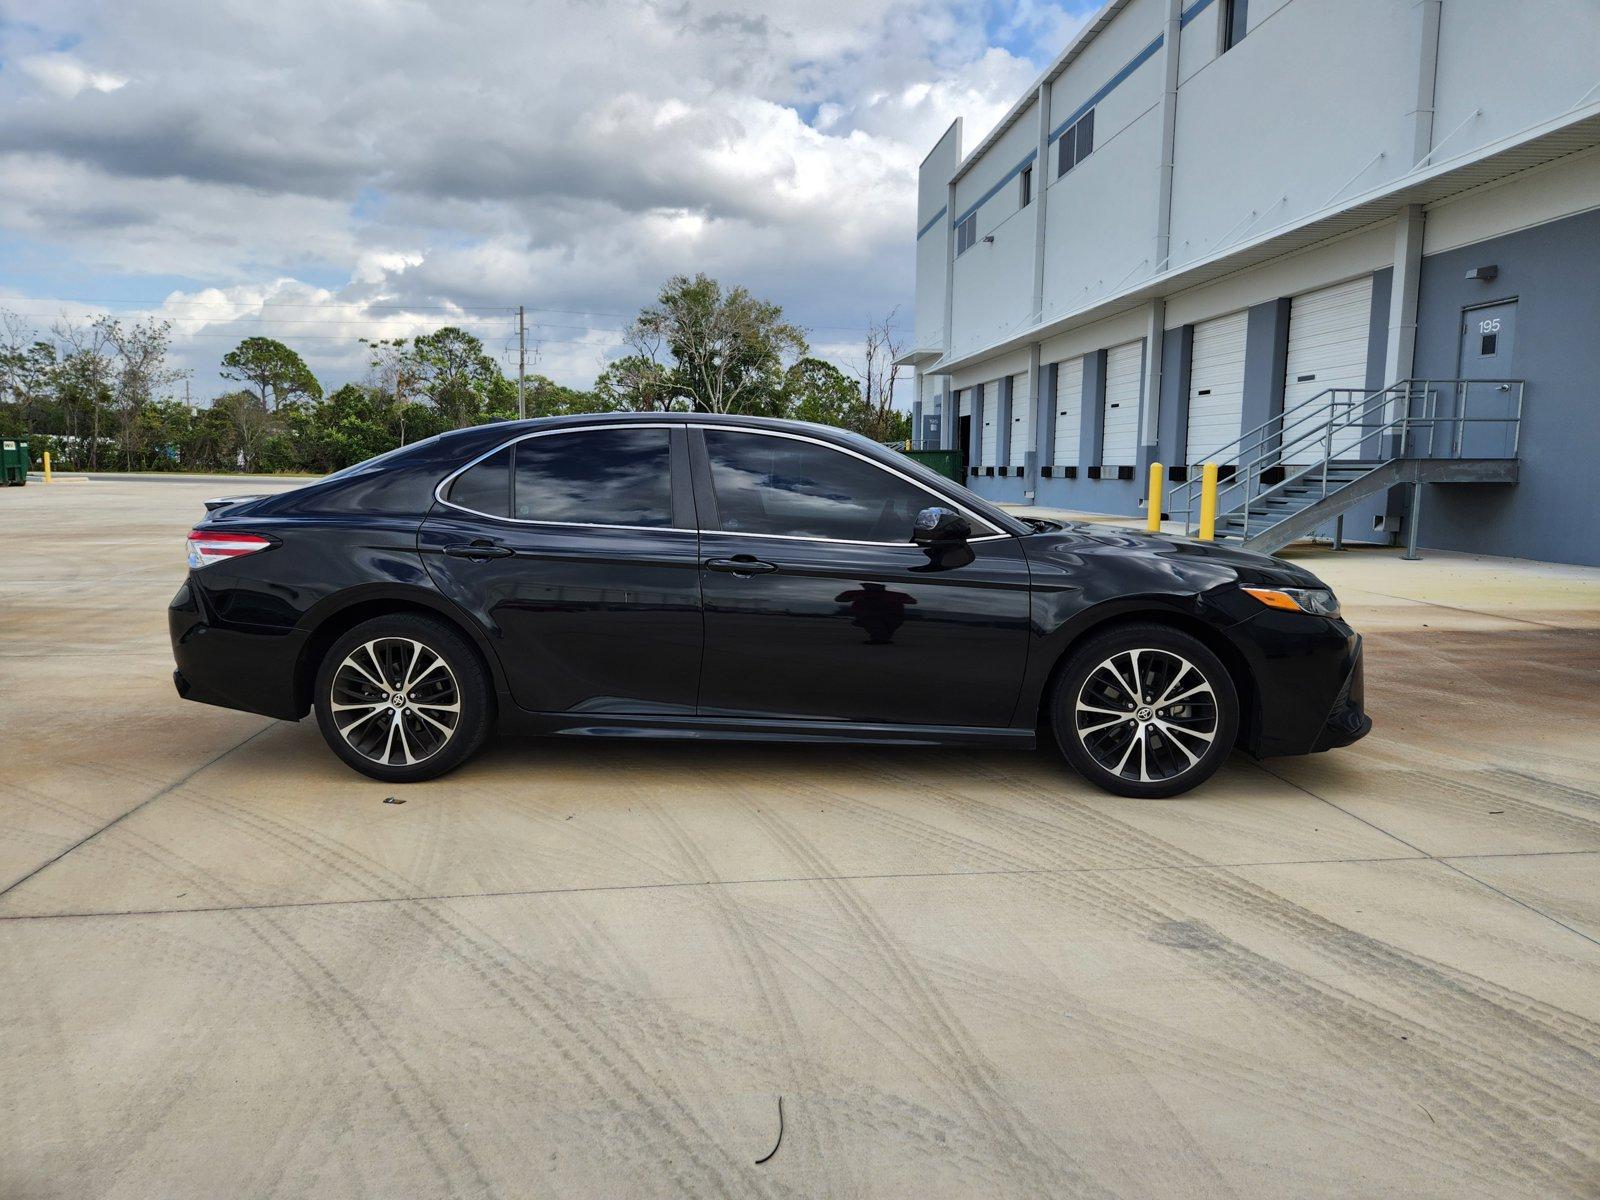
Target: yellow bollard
1208,502
47,466
1152,519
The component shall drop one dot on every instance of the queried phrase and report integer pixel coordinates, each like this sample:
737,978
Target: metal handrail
1250,470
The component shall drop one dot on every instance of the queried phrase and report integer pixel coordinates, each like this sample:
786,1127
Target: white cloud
64,76
565,154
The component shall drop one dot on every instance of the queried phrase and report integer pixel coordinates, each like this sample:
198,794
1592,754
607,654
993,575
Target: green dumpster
945,462
13,461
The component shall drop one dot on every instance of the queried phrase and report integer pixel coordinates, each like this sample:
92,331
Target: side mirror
940,527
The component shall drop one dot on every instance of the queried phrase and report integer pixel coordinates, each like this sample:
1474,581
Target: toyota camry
704,576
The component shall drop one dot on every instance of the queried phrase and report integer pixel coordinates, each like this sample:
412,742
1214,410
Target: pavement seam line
151,799
694,883
1473,612
1443,862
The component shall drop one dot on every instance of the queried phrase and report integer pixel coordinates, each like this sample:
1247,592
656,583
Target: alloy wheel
1146,715
395,701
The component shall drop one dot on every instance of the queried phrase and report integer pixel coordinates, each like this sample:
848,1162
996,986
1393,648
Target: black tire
1162,749
426,739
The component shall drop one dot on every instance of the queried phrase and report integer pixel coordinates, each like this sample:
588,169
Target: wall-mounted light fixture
1484,274
988,239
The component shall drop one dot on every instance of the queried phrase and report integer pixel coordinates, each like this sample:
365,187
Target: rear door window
594,477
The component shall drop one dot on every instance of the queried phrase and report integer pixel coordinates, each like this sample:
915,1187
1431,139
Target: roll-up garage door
1216,388
1327,349
1021,419
1069,412
991,424
964,405
1120,419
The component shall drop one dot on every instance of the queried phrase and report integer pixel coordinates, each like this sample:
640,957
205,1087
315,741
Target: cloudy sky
322,171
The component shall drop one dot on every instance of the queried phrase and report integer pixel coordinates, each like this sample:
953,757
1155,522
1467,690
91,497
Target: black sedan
701,576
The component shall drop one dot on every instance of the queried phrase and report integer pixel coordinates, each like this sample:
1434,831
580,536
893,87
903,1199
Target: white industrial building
1349,249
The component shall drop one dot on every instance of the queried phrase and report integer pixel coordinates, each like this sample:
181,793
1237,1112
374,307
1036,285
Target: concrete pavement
231,968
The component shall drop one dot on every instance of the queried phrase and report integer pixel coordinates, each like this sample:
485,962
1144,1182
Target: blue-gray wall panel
1552,272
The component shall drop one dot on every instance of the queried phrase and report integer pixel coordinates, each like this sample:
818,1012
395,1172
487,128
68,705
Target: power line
509,310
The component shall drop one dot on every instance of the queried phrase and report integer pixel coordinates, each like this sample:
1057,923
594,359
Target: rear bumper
232,668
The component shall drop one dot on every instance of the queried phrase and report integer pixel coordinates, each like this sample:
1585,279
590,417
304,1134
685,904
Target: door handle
743,565
479,551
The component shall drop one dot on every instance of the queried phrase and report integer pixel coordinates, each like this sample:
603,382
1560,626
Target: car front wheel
1145,711
403,698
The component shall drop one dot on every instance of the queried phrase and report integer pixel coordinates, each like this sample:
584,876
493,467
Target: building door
1488,398
1069,408
1216,388
1328,331
964,428
1120,418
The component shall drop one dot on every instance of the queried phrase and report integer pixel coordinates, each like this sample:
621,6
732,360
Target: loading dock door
1120,418
991,425
1021,419
1327,349
1069,412
1216,387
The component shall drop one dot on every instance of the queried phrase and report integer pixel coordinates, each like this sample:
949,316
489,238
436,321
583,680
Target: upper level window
1026,187
1076,144
787,487
1235,22
588,477
966,233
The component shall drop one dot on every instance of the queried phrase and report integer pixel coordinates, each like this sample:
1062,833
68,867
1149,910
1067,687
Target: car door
576,549
818,607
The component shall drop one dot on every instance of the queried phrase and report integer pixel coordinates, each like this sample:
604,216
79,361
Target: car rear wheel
403,698
1145,711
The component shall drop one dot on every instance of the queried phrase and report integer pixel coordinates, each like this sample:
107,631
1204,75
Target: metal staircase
1308,465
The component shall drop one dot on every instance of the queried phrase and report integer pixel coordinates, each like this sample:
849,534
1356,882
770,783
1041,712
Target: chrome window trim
444,484
871,462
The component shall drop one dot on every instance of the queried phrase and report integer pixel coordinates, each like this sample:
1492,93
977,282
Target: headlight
1318,601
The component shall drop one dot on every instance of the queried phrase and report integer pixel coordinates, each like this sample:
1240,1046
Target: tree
636,383
276,372
141,371
818,391
248,425
27,372
879,372
454,372
83,382
393,370
727,349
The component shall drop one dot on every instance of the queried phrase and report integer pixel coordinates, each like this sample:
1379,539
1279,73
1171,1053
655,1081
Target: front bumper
1307,676
1347,720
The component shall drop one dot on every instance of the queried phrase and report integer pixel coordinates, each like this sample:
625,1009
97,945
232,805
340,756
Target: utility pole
522,366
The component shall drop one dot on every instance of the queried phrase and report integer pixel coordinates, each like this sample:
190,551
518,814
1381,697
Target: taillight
207,546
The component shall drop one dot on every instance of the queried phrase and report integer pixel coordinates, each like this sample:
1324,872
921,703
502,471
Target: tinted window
966,233
1235,22
485,488
1076,144
782,486
595,477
